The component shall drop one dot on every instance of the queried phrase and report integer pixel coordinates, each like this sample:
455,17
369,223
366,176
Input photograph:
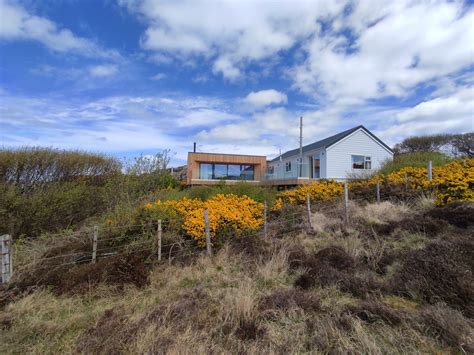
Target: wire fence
155,240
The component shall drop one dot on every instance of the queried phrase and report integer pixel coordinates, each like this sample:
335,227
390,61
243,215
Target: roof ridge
328,141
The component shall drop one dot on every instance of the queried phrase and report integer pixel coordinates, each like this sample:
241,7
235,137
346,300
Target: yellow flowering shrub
454,181
323,190
450,182
227,214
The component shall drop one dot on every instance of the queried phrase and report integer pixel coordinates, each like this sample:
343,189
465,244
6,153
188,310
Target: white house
338,157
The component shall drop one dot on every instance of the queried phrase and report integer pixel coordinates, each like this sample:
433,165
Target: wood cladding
194,159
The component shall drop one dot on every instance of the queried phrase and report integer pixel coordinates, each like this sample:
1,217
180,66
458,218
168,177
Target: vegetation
456,144
395,280
228,215
46,190
414,160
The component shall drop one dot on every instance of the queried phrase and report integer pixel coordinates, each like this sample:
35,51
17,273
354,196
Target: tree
463,144
457,144
430,143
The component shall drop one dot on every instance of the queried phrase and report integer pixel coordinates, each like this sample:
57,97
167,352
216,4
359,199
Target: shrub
323,190
228,215
31,168
442,271
451,182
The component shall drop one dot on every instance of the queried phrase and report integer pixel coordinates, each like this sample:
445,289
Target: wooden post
158,235
430,171
208,234
265,220
94,244
308,211
346,203
6,258
378,191
406,182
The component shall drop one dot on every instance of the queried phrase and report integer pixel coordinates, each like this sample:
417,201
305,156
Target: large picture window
226,172
361,162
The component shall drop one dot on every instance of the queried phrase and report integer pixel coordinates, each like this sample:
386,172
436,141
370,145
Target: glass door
316,168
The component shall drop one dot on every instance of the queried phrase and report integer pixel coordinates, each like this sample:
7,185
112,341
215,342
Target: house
349,153
211,168
353,152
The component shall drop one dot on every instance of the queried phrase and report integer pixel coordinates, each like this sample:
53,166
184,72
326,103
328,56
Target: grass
250,301
416,160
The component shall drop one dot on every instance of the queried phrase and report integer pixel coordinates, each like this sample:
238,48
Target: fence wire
296,220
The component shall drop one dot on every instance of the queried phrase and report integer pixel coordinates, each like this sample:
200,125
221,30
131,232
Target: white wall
339,162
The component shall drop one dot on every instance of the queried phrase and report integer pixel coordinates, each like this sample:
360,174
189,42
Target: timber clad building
338,157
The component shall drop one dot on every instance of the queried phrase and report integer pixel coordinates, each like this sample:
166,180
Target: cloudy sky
137,76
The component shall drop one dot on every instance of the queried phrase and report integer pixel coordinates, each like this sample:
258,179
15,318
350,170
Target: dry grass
241,302
380,213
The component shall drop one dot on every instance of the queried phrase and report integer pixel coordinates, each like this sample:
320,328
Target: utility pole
300,166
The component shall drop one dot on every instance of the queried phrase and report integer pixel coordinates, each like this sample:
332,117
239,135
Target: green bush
416,159
32,168
45,190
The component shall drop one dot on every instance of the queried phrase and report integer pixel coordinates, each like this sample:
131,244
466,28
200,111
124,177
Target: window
234,172
205,171
246,172
226,172
220,171
361,162
288,166
368,163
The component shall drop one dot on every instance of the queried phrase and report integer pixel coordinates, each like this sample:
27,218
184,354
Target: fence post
158,235
208,235
94,244
265,220
378,191
346,203
406,182
430,171
308,211
6,258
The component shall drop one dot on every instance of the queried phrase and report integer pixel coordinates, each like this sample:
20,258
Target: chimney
194,148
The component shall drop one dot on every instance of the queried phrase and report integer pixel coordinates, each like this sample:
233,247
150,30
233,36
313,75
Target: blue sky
126,77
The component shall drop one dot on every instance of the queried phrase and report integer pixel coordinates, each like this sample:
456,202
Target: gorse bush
450,182
323,190
229,215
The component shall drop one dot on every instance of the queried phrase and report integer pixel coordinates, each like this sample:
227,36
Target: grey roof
327,142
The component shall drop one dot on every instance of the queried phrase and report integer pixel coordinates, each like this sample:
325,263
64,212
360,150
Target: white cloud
206,117
411,43
16,23
459,106
229,33
114,124
103,70
158,77
450,113
374,50
227,68
266,97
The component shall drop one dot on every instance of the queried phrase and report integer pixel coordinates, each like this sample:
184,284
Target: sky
131,77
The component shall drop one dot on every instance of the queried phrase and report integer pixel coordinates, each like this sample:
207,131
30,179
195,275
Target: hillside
397,278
